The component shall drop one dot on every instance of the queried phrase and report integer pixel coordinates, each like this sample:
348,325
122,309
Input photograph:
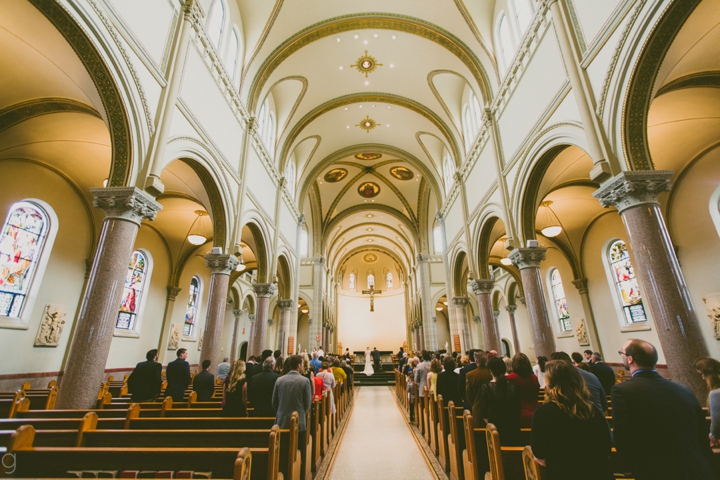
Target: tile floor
378,443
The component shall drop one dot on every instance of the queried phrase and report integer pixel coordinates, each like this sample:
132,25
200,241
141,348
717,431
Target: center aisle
378,442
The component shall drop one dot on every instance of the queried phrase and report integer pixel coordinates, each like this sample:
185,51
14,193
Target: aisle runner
377,442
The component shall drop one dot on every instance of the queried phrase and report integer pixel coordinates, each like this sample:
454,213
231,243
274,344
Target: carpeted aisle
377,442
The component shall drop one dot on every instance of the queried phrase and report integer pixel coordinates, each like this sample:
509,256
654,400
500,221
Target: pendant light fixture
506,261
195,235
549,219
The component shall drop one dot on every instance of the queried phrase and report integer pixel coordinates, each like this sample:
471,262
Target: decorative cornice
251,317
286,303
172,293
221,263
527,257
264,289
482,286
631,189
460,301
511,309
582,285
125,203
477,319
237,313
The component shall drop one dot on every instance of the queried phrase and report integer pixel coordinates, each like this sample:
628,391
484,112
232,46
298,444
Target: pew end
243,465
533,470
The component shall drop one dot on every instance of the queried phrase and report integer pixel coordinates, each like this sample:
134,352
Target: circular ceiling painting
402,173
368,156
370,258
369,189
335,175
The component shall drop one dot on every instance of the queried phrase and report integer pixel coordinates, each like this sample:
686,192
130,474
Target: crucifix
372,292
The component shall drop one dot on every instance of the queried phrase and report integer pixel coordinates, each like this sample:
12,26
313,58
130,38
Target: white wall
359,328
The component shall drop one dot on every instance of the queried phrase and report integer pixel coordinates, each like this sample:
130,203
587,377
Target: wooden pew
533,470
433,424
50,462
475,457
456,443
426,414
505,462
443,432
8,404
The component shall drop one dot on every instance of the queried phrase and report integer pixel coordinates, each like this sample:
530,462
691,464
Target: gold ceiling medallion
368,124
370,258
369,190
366,64
368,156
402,173
335,175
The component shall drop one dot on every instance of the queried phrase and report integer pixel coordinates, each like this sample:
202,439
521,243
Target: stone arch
259,239
284,275
459,274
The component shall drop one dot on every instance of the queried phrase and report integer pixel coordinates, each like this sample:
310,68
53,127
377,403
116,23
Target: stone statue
447,346
51,326
174,342
581,332
200,342
713,313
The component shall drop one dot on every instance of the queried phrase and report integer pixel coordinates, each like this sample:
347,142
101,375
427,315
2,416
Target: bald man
659,426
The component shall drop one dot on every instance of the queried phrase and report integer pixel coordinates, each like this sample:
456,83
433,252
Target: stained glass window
215,23
192,307
21,242
371,281
449,170
625,283
351,282
132,292
523,13
388,281
506,43
560,302
232,55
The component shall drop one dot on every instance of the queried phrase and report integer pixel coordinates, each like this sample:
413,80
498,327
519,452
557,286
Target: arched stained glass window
449,171
232,55
523,14
262,120
290,176
561,307
626,284
371,281
132,292
506,44
438,240
351,282
215,23
475,112
270,135
388,281
192,307
21,243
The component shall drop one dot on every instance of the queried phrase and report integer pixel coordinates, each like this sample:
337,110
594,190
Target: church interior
233,176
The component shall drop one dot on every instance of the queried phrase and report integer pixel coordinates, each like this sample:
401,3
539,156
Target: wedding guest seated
527,386
500,404
570,435
235,392
204,383
603,372
447,382
435,369
578,360
709,368
261,390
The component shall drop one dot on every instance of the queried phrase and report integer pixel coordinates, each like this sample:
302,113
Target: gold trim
366,64
368,124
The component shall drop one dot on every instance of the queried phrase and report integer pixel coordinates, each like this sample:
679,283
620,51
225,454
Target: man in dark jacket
178,376
603,372
659,426
261,391
249,374
462,374
145,381
204,383
376,359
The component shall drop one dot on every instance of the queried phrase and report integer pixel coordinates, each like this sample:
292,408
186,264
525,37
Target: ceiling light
345,108
548,218
370,240
506,261
347,126
195,236
394,37
360,106
105,182
341,67
375,35
338,39
365,42
241,263
356,37
445,303
368,229
367,83
392,65
369,215
439,309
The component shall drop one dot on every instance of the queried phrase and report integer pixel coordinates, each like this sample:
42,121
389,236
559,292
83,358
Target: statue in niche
51,326
447,346
200,343
581,332
174,342
712,306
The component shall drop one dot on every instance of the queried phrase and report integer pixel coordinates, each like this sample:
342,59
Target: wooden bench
475,457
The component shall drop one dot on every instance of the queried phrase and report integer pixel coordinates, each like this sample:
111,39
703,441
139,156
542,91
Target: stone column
496,316
263,292
172,293
429,329
460,304
513,327
422,337
483,290
237,313
317,304
582,286
635,194
220,265
125,208
528,261
286,310
251,333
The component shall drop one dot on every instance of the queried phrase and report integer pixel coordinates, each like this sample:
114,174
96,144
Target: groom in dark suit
145,381
376,359
178,376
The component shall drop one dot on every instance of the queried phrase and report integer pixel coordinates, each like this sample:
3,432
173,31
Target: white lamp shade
552,231
506,261
240,267
196,239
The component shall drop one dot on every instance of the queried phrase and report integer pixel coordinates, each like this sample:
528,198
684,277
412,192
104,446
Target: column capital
631,189
237,312
271,321
125,203
301,219
440,217
317,260
251,317
221,263
477,318
264,289
422,257
460,301
527,257
496,314
172,293
511,309
286,303
480,286
581,284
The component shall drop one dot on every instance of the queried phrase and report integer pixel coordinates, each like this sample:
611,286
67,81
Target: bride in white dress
368,363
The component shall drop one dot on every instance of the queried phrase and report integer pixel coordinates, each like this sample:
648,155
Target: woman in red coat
527,386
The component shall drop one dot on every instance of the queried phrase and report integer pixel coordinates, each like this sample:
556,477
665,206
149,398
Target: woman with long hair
709,368
500,404
235,391
539,370
329,379
570,435
432,376
527,386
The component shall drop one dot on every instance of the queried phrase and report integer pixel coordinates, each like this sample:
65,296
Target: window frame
564,324
135,331
505,62
232,71
513,4
198,303
223,18
352,282
623,311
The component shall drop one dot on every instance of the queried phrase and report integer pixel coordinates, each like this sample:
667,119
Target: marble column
582,286
237,313
220,265
662,283
460,304
528,261
513,327
286,311
251,332
263,292
316,314
429,328
422,338
483,289
125,208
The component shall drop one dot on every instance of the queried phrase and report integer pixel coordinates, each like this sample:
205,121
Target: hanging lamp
195,236
552,222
